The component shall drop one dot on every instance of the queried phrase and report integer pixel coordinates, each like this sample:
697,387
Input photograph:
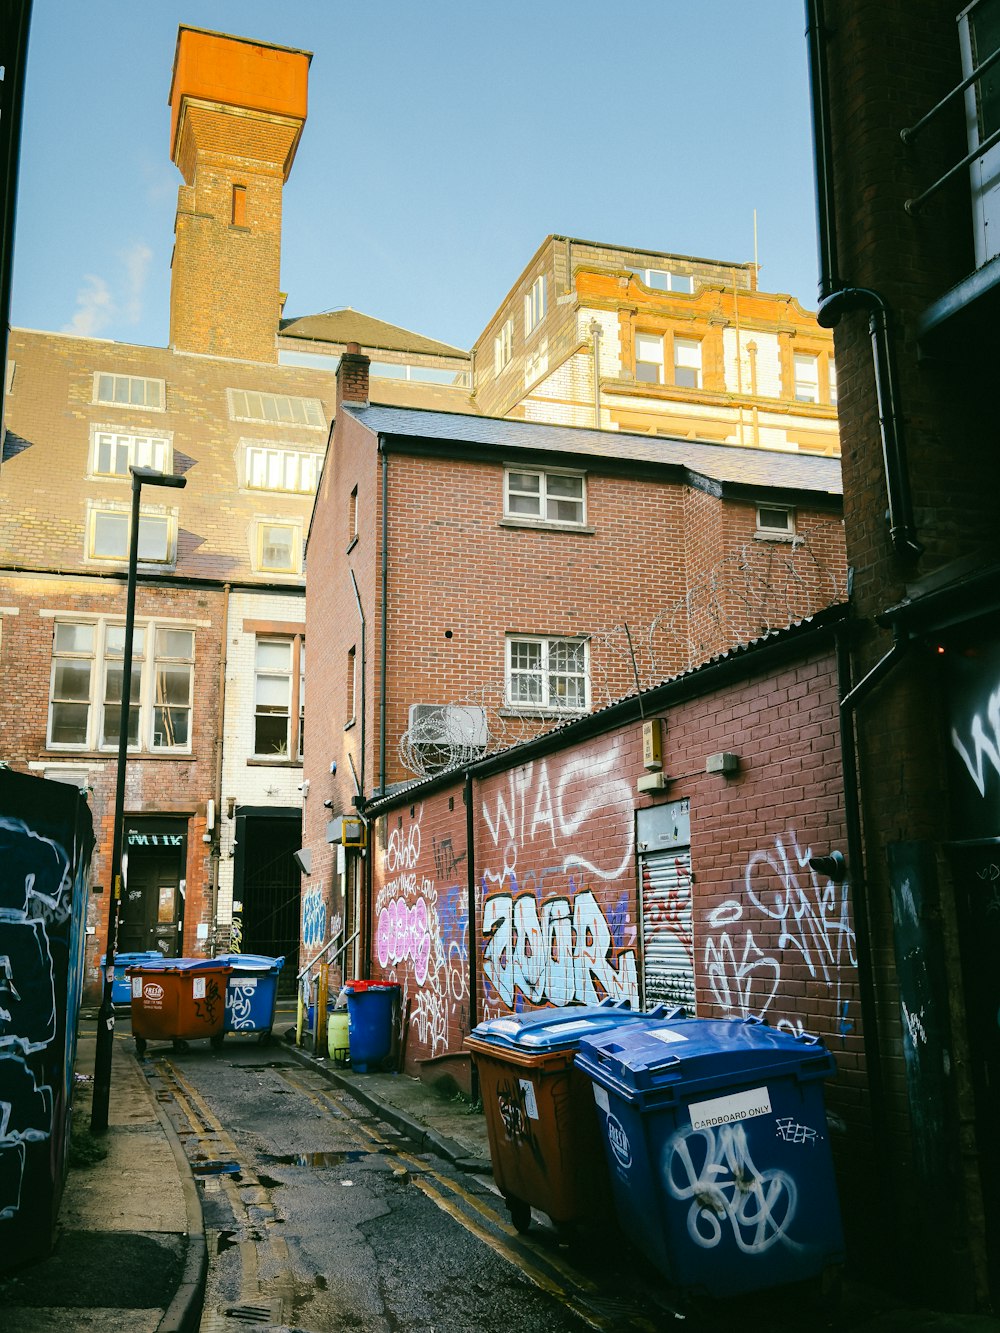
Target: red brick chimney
352,376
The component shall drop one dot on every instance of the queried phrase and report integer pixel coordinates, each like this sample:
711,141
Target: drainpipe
473,943
364,663
836,298
216,852
595,333
384,615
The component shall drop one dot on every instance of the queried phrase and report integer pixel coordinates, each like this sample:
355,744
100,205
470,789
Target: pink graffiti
403,933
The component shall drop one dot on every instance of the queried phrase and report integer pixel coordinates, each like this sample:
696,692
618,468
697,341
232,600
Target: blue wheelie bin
544,1135
371,1006
121,986
251,993
716,1138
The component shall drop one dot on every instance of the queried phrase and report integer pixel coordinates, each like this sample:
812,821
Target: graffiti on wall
313,918
35,906
984,743
546,937
422,930
782,893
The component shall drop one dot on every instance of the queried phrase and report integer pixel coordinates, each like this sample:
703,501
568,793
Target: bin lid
124,958
555,1029
685,1053
250,962
358,987
161,964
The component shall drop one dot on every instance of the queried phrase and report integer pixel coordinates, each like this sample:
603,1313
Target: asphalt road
320,1217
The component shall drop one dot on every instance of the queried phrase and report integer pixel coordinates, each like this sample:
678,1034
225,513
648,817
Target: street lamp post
141,476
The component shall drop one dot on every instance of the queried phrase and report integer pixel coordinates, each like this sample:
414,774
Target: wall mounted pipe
384,577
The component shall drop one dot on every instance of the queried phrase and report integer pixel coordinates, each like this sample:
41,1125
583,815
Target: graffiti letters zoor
546,937
803,918
422,929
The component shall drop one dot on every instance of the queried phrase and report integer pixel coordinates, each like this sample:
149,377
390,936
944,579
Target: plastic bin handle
668,1012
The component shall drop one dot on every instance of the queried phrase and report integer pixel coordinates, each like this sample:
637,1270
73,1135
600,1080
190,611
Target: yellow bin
336,1036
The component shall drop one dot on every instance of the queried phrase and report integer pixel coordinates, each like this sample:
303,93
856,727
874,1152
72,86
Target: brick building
639,340
476,581
905,113
213,800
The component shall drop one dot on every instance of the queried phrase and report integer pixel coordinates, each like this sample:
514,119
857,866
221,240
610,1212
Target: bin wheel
264,1037
180,1044
140,1046
520,1213
217,1040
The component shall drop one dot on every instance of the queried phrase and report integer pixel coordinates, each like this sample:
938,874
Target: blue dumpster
716,1138
544,1135
251,993
121,986
370,1009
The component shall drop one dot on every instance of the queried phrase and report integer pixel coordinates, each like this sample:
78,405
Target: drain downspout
473,943
835,298
216,851
364,677
384,615
595,333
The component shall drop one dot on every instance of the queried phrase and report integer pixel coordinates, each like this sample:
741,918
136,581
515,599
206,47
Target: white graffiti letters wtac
986,747
562,957
713,1168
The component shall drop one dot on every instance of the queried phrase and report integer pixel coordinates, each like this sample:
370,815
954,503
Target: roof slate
732,464
346,325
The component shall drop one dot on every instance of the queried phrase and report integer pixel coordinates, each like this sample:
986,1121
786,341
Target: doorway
267,887
152,908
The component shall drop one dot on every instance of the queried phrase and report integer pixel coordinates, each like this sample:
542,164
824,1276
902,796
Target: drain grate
249,1314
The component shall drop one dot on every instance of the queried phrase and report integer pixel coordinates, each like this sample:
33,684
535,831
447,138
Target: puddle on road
215,1168
314,1160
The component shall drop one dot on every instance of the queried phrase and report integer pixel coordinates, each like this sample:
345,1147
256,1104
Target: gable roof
723,464
347,325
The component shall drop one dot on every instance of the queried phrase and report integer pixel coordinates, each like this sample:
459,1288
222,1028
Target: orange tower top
236,72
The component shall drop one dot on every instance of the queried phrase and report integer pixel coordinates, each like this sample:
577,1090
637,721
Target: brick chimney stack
352,376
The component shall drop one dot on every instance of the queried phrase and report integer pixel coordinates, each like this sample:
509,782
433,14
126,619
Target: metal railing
913,206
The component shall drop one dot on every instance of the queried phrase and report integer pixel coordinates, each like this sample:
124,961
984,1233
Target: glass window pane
170,727
69,723
648,348
273,692
72,680
173,684
109,727
276,550
154,538
113,685
274,654
74,638
114,641
529,482
110,536
270,735
174,643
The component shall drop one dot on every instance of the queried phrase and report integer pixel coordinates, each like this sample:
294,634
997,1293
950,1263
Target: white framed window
249,405
279,696
129,391
547,674
549,497
648,358
108,535
775,521
270,467
115,452
503,346
806,370
278,548
662,280
687,363
534,305
85,693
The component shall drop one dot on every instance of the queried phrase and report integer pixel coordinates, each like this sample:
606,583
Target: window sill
542,714
263,761
541,525
789,538
110,756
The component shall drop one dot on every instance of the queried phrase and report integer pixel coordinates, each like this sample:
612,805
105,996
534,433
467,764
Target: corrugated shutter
668,943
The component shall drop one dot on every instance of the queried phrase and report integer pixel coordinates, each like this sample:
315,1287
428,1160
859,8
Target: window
352,518
86,686
775,521
547,674
551,497
129,391
238,217
115,453
687,363
248,405
108,536
503,346
648,359
663,281
831,371
534,305
352,686
806,377
279,697
279,547
273,468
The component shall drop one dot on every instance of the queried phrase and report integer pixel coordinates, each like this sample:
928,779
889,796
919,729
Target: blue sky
445,140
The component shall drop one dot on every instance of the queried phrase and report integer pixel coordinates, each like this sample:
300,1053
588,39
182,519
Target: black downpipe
835,298
384,616
364,682
473,942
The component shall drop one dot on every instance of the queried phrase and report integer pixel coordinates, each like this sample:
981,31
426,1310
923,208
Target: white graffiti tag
985,747
714,1169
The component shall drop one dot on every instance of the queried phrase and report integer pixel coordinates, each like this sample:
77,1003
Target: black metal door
151,910
270,891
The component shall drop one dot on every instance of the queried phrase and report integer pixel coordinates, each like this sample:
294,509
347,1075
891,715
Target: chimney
352,376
